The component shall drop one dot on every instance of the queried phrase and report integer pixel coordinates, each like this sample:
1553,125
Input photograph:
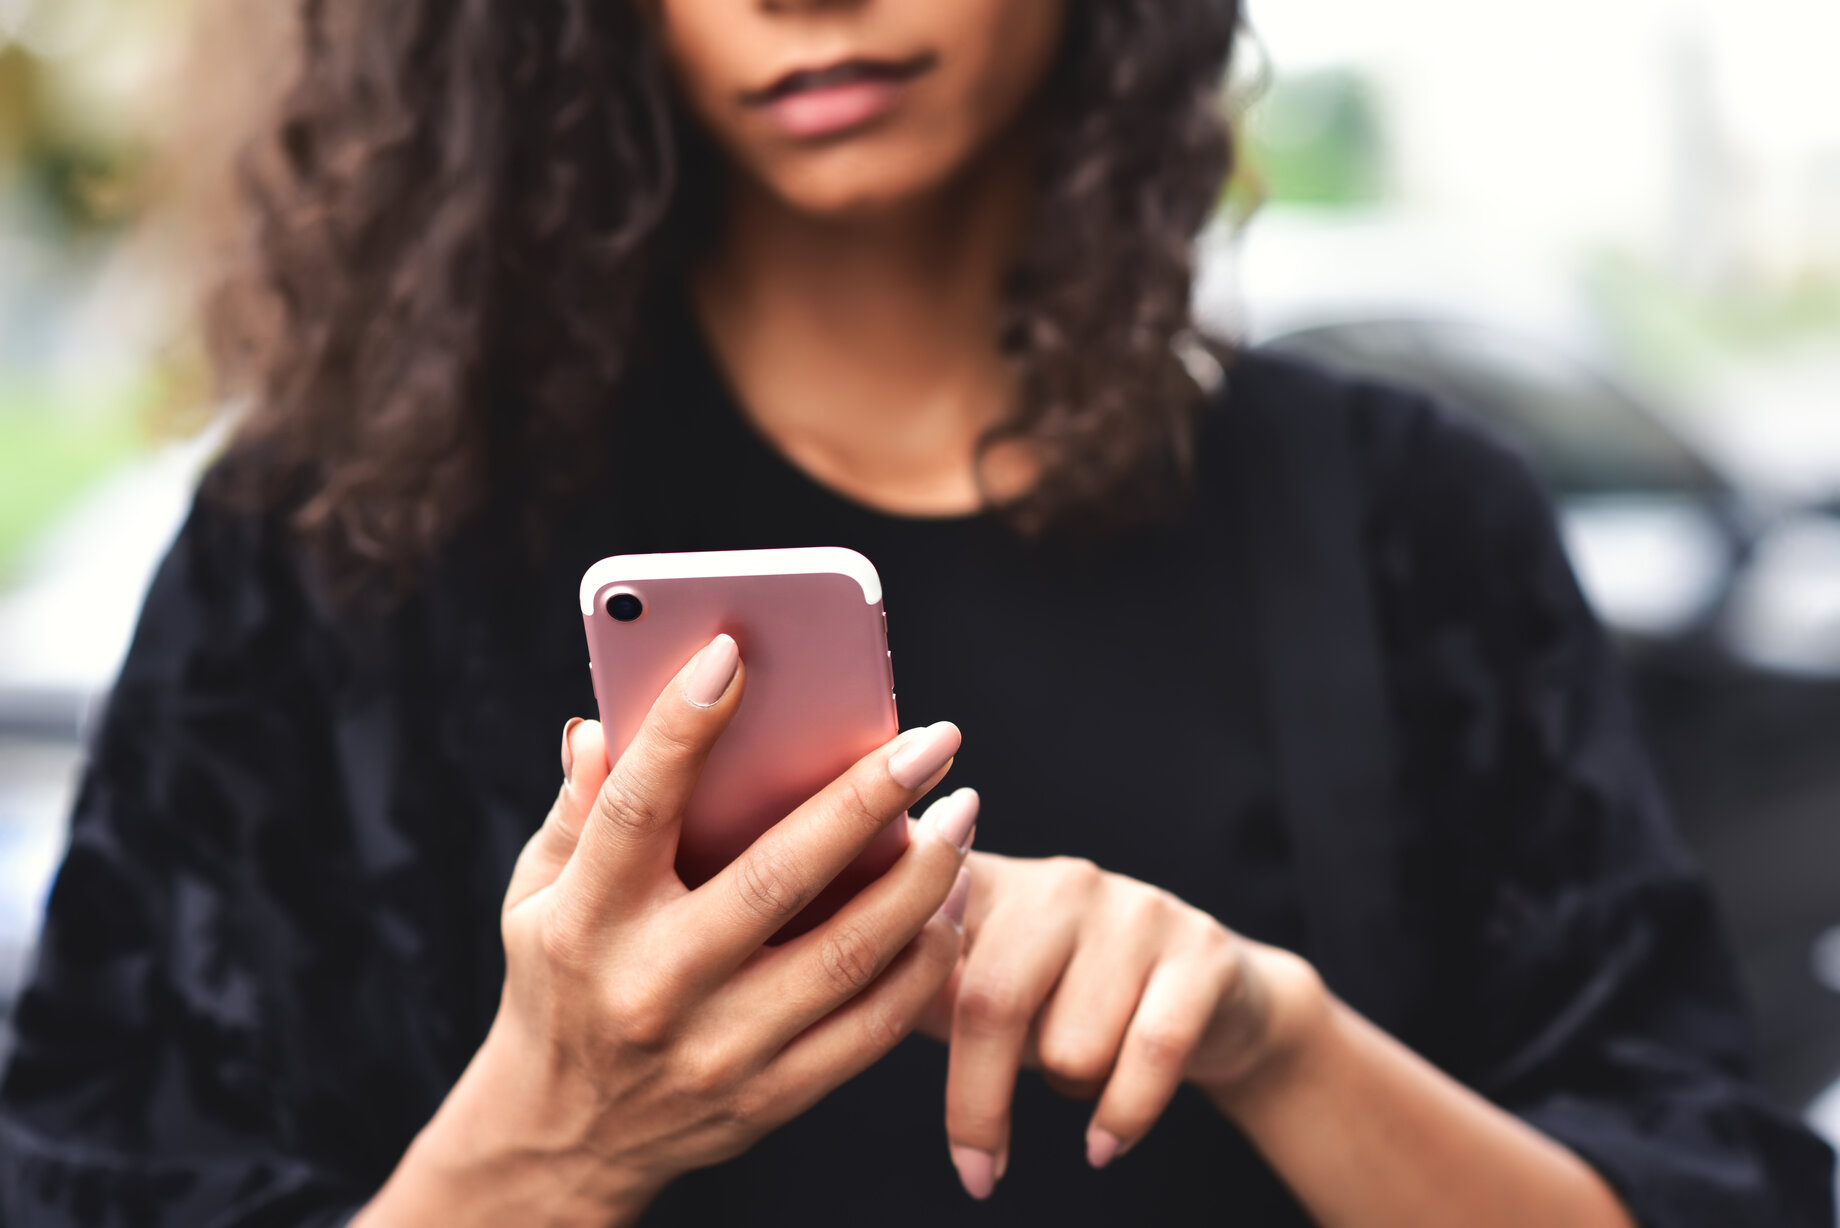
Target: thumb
584,771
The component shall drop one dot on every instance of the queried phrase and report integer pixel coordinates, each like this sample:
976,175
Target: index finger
784,870
629,838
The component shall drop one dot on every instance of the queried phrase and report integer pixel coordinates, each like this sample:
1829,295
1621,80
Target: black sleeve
151,1081
1579,979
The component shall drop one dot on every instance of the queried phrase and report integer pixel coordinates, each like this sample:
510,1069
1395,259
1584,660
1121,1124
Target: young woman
535,283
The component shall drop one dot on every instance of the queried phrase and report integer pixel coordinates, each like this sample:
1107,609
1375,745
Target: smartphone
820,687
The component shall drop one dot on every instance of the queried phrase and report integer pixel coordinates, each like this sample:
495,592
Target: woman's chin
851,188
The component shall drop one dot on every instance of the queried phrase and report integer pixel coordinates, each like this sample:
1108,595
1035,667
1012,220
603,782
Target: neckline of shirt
725,406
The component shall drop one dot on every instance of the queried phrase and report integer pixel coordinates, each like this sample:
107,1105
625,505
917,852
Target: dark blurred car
1724,604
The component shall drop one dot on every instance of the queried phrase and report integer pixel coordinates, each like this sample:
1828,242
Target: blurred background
1611,229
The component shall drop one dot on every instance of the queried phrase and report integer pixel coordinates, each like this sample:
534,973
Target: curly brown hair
463,210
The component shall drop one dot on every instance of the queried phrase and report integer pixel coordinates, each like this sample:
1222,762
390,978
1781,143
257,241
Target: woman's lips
824,102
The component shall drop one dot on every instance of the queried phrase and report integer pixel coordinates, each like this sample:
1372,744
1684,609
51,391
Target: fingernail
976,1169
923,754
1102,1147
953,909
715,668
954,818
568,752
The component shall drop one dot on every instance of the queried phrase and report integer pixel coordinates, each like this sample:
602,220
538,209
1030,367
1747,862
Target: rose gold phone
820,687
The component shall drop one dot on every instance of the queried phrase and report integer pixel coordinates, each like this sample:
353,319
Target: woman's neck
867,351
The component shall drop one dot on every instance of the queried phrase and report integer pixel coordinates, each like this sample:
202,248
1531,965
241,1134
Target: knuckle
850,959
1143,911
884,1027
709,1071
1220,941
560,942
1212,950
1209,932
1075,1058
625,806
1164,1049
858,805
751,1106
1221,948
675,742
642,1014
991,1005
768,883
1077,874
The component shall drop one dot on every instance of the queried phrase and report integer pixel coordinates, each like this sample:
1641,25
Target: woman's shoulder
1475,601
1405,439
1451,508
233,585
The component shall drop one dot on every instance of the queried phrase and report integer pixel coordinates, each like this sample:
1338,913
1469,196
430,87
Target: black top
274,944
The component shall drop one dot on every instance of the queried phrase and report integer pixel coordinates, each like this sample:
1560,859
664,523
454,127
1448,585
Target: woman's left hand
1113,989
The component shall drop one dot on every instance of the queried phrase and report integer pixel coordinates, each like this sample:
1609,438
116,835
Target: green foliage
86,189
1317,139
67,192
1675,332
55,447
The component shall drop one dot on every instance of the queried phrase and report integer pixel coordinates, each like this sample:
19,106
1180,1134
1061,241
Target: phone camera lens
624,608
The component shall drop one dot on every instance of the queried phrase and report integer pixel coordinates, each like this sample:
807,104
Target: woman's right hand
646,1029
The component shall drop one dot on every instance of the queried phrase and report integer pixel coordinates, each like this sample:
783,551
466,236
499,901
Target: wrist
1297,1014
499,1150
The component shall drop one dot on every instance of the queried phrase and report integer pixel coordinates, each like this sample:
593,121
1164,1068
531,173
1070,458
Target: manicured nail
976,1169
954,818
953,909
568,752
1102,1147
923,754
716,667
